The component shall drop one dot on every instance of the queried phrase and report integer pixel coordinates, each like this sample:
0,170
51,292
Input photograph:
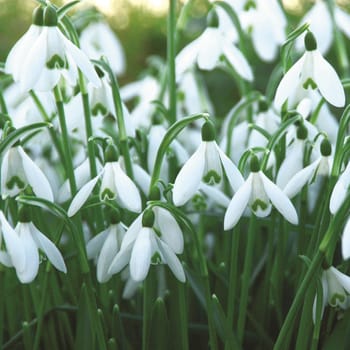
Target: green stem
65,141
288,323
171,43
3,103
246,279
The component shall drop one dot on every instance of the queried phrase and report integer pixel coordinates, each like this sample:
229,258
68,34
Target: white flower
153,238
208,56
18,171
322,166
49,56
345,241
97,40
335,289
25,257
266,23
310,71
115,185
258,192
320,21
105,246
206,163
340,190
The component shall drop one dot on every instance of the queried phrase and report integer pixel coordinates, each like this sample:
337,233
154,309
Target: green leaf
15,135
159,332
170,135
118,332
288,44
84,338
65,8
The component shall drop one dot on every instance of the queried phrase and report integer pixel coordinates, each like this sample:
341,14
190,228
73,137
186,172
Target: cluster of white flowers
45,58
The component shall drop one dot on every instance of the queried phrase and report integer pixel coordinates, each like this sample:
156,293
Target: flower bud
38,16
111,153
208,131
50,17
310,42
148,218
254,164
326,148
302,132
154,194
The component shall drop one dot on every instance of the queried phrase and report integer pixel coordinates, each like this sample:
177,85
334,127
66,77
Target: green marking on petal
15,181
199,202
107,194
156,259
250,4
259,203
337,299
56,62
309,83
99,108
212,177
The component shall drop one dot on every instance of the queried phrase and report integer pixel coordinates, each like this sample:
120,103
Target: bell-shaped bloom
26,260
320,23
19,171
266,23
208,56
97,40
340,190
146,244
208,163
259,193
335,290
47,57
104,247
116,184
322,166
310,71
345,241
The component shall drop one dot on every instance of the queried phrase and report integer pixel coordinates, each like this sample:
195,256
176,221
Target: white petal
299,180
132,232
342,19
107,188
5,259
238,61
215,194
36,178
343,279
289,83
127,192
108,252
31,268
281,202
238,204
209,49
188,179
339,191
141,255
14,245
81,197
186,57
50,250
170,229
120,260
142,178
94,246
130,288
172,261
345,241
328,81
233,174
82,61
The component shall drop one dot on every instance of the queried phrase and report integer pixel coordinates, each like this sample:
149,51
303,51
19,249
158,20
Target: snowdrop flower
206,163
115,185
14,61
320,21
340,190
265,21
19,171
310,71
105,246
14,254
97,40
153,238
335,289
321,166
31,240
208,56
50,56
259,192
